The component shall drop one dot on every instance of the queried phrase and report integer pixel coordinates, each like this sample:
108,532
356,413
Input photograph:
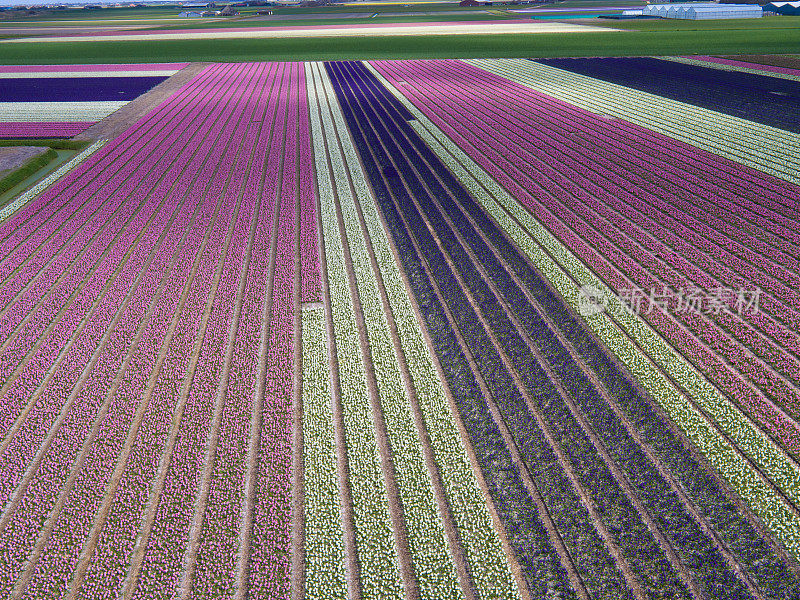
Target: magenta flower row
42,129
131,336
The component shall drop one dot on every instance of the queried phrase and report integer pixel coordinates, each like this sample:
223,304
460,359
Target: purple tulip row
123,283
76,89
42,129
598,202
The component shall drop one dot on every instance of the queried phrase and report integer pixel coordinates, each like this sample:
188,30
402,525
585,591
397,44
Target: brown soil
13,157
788,61
118,121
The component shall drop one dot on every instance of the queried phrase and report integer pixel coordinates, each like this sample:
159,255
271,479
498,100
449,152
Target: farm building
700,10
783,8
191,14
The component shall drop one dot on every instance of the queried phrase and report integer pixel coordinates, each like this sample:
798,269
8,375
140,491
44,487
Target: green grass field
767,36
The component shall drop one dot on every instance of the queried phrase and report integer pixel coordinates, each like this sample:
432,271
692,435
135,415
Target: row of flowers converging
749,425
138,289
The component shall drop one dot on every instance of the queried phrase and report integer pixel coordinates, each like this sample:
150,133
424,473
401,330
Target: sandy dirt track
523,26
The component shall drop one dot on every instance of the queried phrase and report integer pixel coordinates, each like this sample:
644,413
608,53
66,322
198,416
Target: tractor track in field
464,436
506,435
455,545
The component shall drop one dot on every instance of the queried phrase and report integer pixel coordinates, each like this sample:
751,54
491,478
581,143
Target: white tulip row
619,330
433,564
725,67
66,112
377,552
432,561
479,539
762,147
324,535
27,196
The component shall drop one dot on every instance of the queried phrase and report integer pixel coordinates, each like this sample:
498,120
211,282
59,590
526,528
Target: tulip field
430,329
41,101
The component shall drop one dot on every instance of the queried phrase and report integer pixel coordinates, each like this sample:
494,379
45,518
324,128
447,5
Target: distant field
278,21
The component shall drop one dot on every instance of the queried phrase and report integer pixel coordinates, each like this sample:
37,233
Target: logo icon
591,301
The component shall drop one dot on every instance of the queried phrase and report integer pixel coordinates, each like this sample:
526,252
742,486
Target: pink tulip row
94,432
206,160
218,546
270,571
92,196
63,448
134,494
599,201
174,518
42,129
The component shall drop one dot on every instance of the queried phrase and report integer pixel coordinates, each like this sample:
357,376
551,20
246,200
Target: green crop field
641,38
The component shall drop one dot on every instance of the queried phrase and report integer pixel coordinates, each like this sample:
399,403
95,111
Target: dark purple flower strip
75,89
527,535
761,98
445,107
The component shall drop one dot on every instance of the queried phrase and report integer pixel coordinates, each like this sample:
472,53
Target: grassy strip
607,43
20,201
26,170
53,143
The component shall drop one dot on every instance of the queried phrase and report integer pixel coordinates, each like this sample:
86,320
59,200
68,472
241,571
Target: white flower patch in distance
69,112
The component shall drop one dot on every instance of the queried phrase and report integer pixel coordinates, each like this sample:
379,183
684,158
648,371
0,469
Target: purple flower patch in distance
75,89
760,98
